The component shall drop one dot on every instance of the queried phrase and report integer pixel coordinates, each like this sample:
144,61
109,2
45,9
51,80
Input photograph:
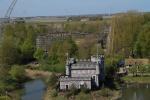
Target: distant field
44,20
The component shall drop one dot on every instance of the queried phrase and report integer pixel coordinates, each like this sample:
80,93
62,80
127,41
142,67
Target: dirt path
36,73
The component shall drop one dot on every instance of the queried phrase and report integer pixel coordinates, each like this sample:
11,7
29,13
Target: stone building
87,73
45,40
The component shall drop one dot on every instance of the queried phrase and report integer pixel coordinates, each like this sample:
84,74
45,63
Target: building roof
64,78
84,65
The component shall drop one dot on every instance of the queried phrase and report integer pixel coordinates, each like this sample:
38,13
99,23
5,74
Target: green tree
28,45
17,73
9,53
133,70
111,65
142,46
142,69
39,54
124,31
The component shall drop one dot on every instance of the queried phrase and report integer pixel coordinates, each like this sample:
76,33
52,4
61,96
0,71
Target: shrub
106,92
68,94
73,90
52,81
54,93
17,73
83,96
84,89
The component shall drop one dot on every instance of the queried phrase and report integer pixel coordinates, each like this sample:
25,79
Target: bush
68,94
83,96
74,90
106,92
54,93
52,81
17,73
85,90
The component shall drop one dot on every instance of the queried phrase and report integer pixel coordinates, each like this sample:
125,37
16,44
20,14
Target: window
82,84
94,77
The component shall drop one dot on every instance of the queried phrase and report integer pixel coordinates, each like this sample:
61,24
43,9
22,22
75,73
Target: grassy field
4,98
139,79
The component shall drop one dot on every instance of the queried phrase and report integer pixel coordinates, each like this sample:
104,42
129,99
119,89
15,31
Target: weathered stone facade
83,73
44,41
67,82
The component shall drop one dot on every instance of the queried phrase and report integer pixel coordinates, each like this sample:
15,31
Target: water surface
136,92
34,90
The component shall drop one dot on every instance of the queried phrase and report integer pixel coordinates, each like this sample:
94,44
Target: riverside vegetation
129,37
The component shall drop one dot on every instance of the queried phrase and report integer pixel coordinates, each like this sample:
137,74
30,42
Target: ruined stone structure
87,73
44,41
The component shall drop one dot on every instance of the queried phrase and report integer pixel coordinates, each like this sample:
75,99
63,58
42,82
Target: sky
26,8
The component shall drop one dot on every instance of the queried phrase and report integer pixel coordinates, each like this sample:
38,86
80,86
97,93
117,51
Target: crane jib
10,9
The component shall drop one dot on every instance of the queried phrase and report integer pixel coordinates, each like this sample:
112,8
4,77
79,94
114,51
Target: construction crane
10,9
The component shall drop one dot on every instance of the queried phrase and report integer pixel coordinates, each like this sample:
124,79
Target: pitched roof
64,78
84,65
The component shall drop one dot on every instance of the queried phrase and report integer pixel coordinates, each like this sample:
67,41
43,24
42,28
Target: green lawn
139,79
4,98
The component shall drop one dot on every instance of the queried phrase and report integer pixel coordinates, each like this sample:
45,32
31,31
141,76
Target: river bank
103,94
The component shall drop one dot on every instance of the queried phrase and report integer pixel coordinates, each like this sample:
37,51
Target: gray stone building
45,40
88,73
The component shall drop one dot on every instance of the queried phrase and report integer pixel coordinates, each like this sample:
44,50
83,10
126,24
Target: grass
4,98
102,94
138,79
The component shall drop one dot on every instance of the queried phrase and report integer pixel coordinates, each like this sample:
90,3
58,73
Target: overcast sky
72,7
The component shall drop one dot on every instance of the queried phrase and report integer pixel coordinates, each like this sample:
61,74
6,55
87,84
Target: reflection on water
136,92
34,90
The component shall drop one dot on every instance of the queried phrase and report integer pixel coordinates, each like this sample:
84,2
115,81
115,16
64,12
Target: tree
17,73
28,45
27,50
133,70
124,31
57,53
111,65
142,69
39,54
142,45
9,53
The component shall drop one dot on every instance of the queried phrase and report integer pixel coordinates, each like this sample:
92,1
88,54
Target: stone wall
76,83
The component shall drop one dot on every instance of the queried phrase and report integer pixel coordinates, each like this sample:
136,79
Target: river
34,90
136,92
